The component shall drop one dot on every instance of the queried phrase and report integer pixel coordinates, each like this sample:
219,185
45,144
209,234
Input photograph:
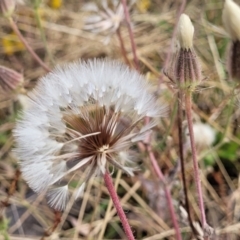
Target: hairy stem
181,154
21,37
167,192
122,46
188,105
117,205
133,45
107,218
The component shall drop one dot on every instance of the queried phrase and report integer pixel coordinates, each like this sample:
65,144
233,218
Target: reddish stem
34,55
123,49
117,204
181,155
167,192
188,104
133,45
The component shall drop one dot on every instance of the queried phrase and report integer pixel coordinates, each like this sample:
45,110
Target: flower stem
117,204
34,55
181,154
109,207
123,49
128,20
167,192
188,105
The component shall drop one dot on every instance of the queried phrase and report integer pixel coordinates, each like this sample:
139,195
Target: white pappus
82,116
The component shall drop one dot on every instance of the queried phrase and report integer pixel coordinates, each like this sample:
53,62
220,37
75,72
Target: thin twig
21,37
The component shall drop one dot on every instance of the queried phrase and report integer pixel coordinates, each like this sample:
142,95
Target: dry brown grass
94,216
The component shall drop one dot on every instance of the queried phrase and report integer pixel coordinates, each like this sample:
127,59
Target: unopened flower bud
185,32
7,7
231,21
9,79
187,67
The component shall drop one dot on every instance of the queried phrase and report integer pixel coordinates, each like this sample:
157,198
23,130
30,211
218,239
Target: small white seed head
204,135
231,19
185,32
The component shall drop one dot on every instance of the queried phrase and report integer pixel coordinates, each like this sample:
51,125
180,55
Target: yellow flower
11,44
143,5
56,4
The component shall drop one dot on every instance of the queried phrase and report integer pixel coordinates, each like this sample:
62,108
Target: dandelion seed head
82,115
106,17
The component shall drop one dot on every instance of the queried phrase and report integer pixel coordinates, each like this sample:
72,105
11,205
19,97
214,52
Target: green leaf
209,160
228,151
